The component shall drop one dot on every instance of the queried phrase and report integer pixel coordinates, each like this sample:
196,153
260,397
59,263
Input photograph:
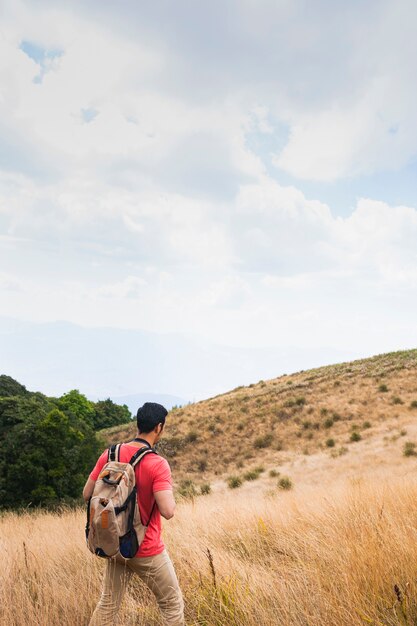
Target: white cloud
140,186
367,123
129,287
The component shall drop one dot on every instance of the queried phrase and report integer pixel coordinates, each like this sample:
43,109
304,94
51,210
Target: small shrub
205,489
409,448
336,417
324,411
396,400
273,473
366,425
191,436
300,401
202,465
187,489
259,469
355,436
403,432
328,423
306,424
250,475
240,426
234,482
330,443
413,404
383,388
264,441
285,483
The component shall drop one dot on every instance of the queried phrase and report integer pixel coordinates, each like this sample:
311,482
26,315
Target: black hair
150,415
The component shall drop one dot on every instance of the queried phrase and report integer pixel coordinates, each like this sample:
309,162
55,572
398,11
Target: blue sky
243,172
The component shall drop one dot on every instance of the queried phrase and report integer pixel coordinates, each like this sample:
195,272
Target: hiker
155,498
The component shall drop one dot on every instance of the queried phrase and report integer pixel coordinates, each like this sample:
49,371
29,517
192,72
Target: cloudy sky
243,171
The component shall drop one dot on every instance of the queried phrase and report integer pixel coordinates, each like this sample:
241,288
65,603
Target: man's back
152,474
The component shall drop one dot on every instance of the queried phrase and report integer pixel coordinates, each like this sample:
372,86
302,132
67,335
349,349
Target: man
152,562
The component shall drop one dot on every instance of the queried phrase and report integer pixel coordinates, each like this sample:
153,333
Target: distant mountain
101,362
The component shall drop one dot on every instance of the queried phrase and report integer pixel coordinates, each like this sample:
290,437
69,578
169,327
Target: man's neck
148,437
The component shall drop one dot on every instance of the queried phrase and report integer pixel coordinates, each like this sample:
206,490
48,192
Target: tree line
49,445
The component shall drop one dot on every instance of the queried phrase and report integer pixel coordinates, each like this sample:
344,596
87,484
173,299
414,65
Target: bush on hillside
285,483
234,482
409,449
187,489
263,441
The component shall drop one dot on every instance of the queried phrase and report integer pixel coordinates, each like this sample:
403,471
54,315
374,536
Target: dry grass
304,558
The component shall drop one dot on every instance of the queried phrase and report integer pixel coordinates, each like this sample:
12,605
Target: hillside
354,415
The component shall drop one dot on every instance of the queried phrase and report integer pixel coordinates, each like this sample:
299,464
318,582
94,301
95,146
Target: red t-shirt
152,474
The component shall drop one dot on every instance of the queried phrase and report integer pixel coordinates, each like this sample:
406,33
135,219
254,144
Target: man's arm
165,502
91,480
88,489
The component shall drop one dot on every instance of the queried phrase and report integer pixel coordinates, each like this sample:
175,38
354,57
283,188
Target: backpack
113,524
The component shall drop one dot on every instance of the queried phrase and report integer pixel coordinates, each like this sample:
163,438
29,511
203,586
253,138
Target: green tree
107,414
76,403
45,453
10,387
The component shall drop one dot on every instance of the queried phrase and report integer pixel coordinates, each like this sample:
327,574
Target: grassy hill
337,549
357,414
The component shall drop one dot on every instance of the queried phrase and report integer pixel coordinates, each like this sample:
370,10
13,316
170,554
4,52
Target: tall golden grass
312,557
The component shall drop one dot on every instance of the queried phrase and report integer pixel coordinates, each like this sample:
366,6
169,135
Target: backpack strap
139,454
114,452
135,460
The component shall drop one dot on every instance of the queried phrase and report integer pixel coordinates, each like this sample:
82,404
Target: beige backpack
113,518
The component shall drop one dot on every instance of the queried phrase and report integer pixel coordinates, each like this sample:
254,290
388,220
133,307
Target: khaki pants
157,572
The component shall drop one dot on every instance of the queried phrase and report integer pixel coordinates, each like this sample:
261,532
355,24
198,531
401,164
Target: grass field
344,555
338,549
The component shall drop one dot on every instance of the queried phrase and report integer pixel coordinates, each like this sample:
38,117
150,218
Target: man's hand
165,503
